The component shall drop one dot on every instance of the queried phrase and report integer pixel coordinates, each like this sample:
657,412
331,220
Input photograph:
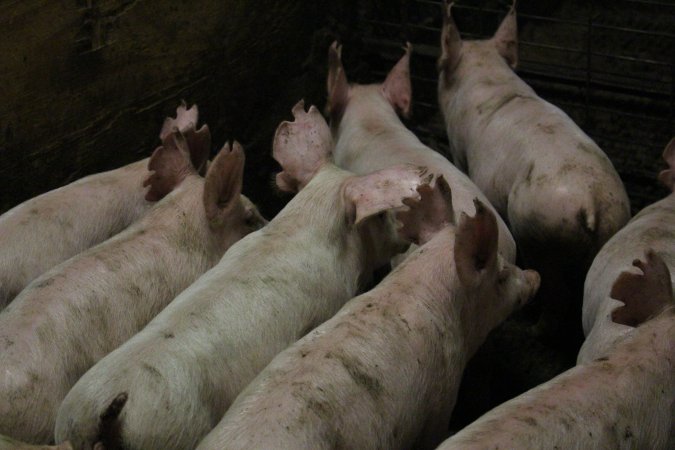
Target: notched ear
667,177
476,245
371,194
199,144
170,164
185,118
337,85
396,87
643,295
506,37
429,215
451,43
301,147
198,140
223,183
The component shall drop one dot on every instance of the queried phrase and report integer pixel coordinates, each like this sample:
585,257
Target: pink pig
169,385
74,314
557,190
623,400
50,228
383,373
653,227
370,136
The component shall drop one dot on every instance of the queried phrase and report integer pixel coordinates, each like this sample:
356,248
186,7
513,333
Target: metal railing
609,65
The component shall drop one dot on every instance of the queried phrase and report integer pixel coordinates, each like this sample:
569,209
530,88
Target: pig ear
476,245
506,37
451,42
667,177
336,84
199,143
301,147
429,215
224,180
371,194
396,86
170,164
644,295
185,119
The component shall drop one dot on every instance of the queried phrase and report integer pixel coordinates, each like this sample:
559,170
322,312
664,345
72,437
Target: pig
623,400
370,136
7,443
385,370
170,384
50,228
74,314
557,190
653,227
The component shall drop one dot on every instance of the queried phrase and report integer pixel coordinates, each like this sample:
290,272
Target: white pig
623,400
653,227
170,384
77,312
370,136
383,373
559,193
50,228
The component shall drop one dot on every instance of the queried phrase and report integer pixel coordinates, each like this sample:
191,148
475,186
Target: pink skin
50,228
168,385
558,191
370,136
650,228
384,371
73,315
623,400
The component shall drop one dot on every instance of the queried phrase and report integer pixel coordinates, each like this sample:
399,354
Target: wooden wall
85,84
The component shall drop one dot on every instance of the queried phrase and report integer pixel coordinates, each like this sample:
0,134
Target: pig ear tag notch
170,164
301,147
644,295
369,195
198,140
428,216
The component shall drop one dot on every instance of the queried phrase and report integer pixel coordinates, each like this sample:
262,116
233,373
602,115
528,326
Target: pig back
46,230
187,366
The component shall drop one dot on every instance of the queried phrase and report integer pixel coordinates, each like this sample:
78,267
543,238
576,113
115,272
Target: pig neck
369,130
312,212
479,87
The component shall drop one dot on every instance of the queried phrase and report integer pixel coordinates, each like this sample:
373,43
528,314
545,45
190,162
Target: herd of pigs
152,307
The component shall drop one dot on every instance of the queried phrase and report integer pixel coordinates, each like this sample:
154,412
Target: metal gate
609,64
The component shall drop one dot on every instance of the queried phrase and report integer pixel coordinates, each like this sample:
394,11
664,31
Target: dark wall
86,84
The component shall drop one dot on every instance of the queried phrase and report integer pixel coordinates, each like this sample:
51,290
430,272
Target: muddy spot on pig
355,370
